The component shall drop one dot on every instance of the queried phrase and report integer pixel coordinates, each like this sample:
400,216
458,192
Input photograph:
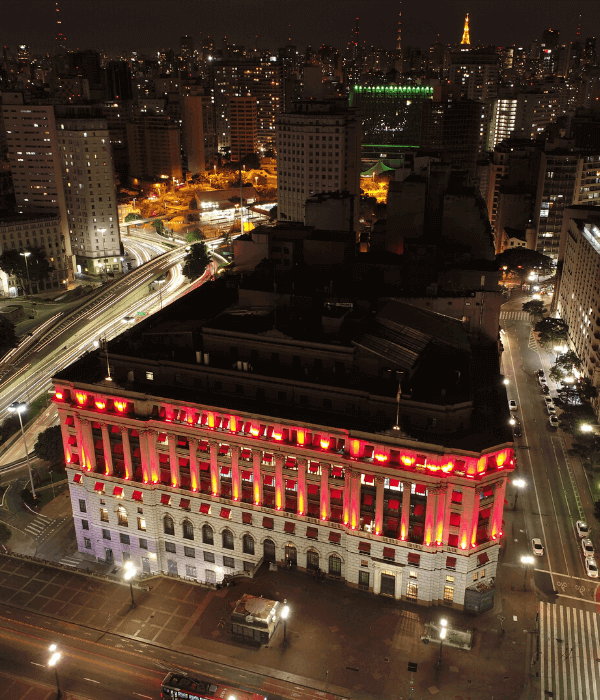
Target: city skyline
94,26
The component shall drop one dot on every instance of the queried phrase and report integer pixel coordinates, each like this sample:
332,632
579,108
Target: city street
556,495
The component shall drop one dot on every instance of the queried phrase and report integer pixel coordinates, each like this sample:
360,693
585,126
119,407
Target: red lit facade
200,492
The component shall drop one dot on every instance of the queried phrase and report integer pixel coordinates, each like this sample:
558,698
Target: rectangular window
363,579
412,591
143,543
209,557
190,571
170,547
82,506
475,576
482,573
124,539
150,375
189,552
449,579
142,524
106,534
229,562
412,574
104,515
126,556
85,525
448,594
87,543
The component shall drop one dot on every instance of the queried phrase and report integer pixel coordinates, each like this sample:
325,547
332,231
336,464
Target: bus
177,685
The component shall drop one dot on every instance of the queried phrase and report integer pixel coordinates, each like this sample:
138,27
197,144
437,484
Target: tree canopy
523,260
196,261
535,307
34,267
49,445
159,227
552,331
194,236
133,216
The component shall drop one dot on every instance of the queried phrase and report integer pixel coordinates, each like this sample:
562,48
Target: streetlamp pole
443,624
284,614
52,662
130,572
26,256
18,408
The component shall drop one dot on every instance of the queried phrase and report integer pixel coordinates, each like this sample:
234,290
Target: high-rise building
154,144
61,39
199,137
503,122
187,47
89,184
477,72
466,37
318,151
118,81
243,127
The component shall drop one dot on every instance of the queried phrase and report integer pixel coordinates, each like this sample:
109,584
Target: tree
557,374
552,331
523,260
8,338
5,533
34,267
196,261
49,445
159,227
133,217
9,427
194,236
535,307
567,362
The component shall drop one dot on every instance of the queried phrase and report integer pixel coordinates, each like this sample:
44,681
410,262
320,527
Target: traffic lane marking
576,578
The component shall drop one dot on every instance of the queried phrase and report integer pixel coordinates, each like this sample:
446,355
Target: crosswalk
515,316
532,344
37,527
70,561
569,653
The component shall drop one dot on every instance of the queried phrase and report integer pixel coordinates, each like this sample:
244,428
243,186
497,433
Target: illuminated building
251,445
318,151
154,145
504,121
466,39
243,127
391,114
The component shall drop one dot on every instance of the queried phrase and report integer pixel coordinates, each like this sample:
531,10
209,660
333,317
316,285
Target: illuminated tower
465,37
399,42
61,40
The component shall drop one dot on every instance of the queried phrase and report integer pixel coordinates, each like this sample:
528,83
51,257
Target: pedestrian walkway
515,316
70,561
37,527
569,653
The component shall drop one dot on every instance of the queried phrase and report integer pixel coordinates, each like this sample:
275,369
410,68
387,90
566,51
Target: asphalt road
556,495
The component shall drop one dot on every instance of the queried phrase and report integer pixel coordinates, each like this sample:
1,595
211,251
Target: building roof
377,169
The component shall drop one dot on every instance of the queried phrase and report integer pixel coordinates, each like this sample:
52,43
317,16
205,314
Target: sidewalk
341,640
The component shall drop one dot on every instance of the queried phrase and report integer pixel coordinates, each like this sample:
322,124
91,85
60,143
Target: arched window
248,544
188,530
169,525
122,516
207,534
312,560
227,539
335,565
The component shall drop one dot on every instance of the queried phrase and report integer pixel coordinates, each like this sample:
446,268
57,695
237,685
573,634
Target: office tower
537,110
318,151
199,136
23,53
260,78
89,184
187,47
466,38
154,145
391,114
118,81
33,153
477,72
243,127
503,122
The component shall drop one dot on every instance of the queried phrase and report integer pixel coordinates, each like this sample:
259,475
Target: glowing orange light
377,531
324,443
233,424
301,437
381,457
403,532
481,463
253,431
501,458
120,406
155,481
145,481
174,483
355,448
256,502
68,456
211,420
277,436
190,418
81,397
101,405
407,461
447,468
59,395
106,472
432,467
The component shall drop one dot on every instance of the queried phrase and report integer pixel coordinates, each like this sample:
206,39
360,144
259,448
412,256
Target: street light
284,616
519,484
586,428
52,662
19,407
26,255
443,624
526,560
130,572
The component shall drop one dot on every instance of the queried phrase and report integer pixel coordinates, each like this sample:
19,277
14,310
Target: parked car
551,408
517,430
549,400
587,547
545,389
582,529
512,405
591,568
537,546
542,381
540,373
554,421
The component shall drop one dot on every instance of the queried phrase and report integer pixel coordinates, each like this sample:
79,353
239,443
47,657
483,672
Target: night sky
147,25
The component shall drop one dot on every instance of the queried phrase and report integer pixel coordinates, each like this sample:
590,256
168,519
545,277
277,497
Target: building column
236,481
302,496
153,455
355,501
475,514
88,455
468,520
347,493
257,477
107,451
325,500
405,518
379,481
441,516
215,477
174,460
127,453
430,511
194,472
65,433
279,485
496,524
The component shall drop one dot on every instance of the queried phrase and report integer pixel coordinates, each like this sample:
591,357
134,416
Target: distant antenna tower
61,40
399,42
466,39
